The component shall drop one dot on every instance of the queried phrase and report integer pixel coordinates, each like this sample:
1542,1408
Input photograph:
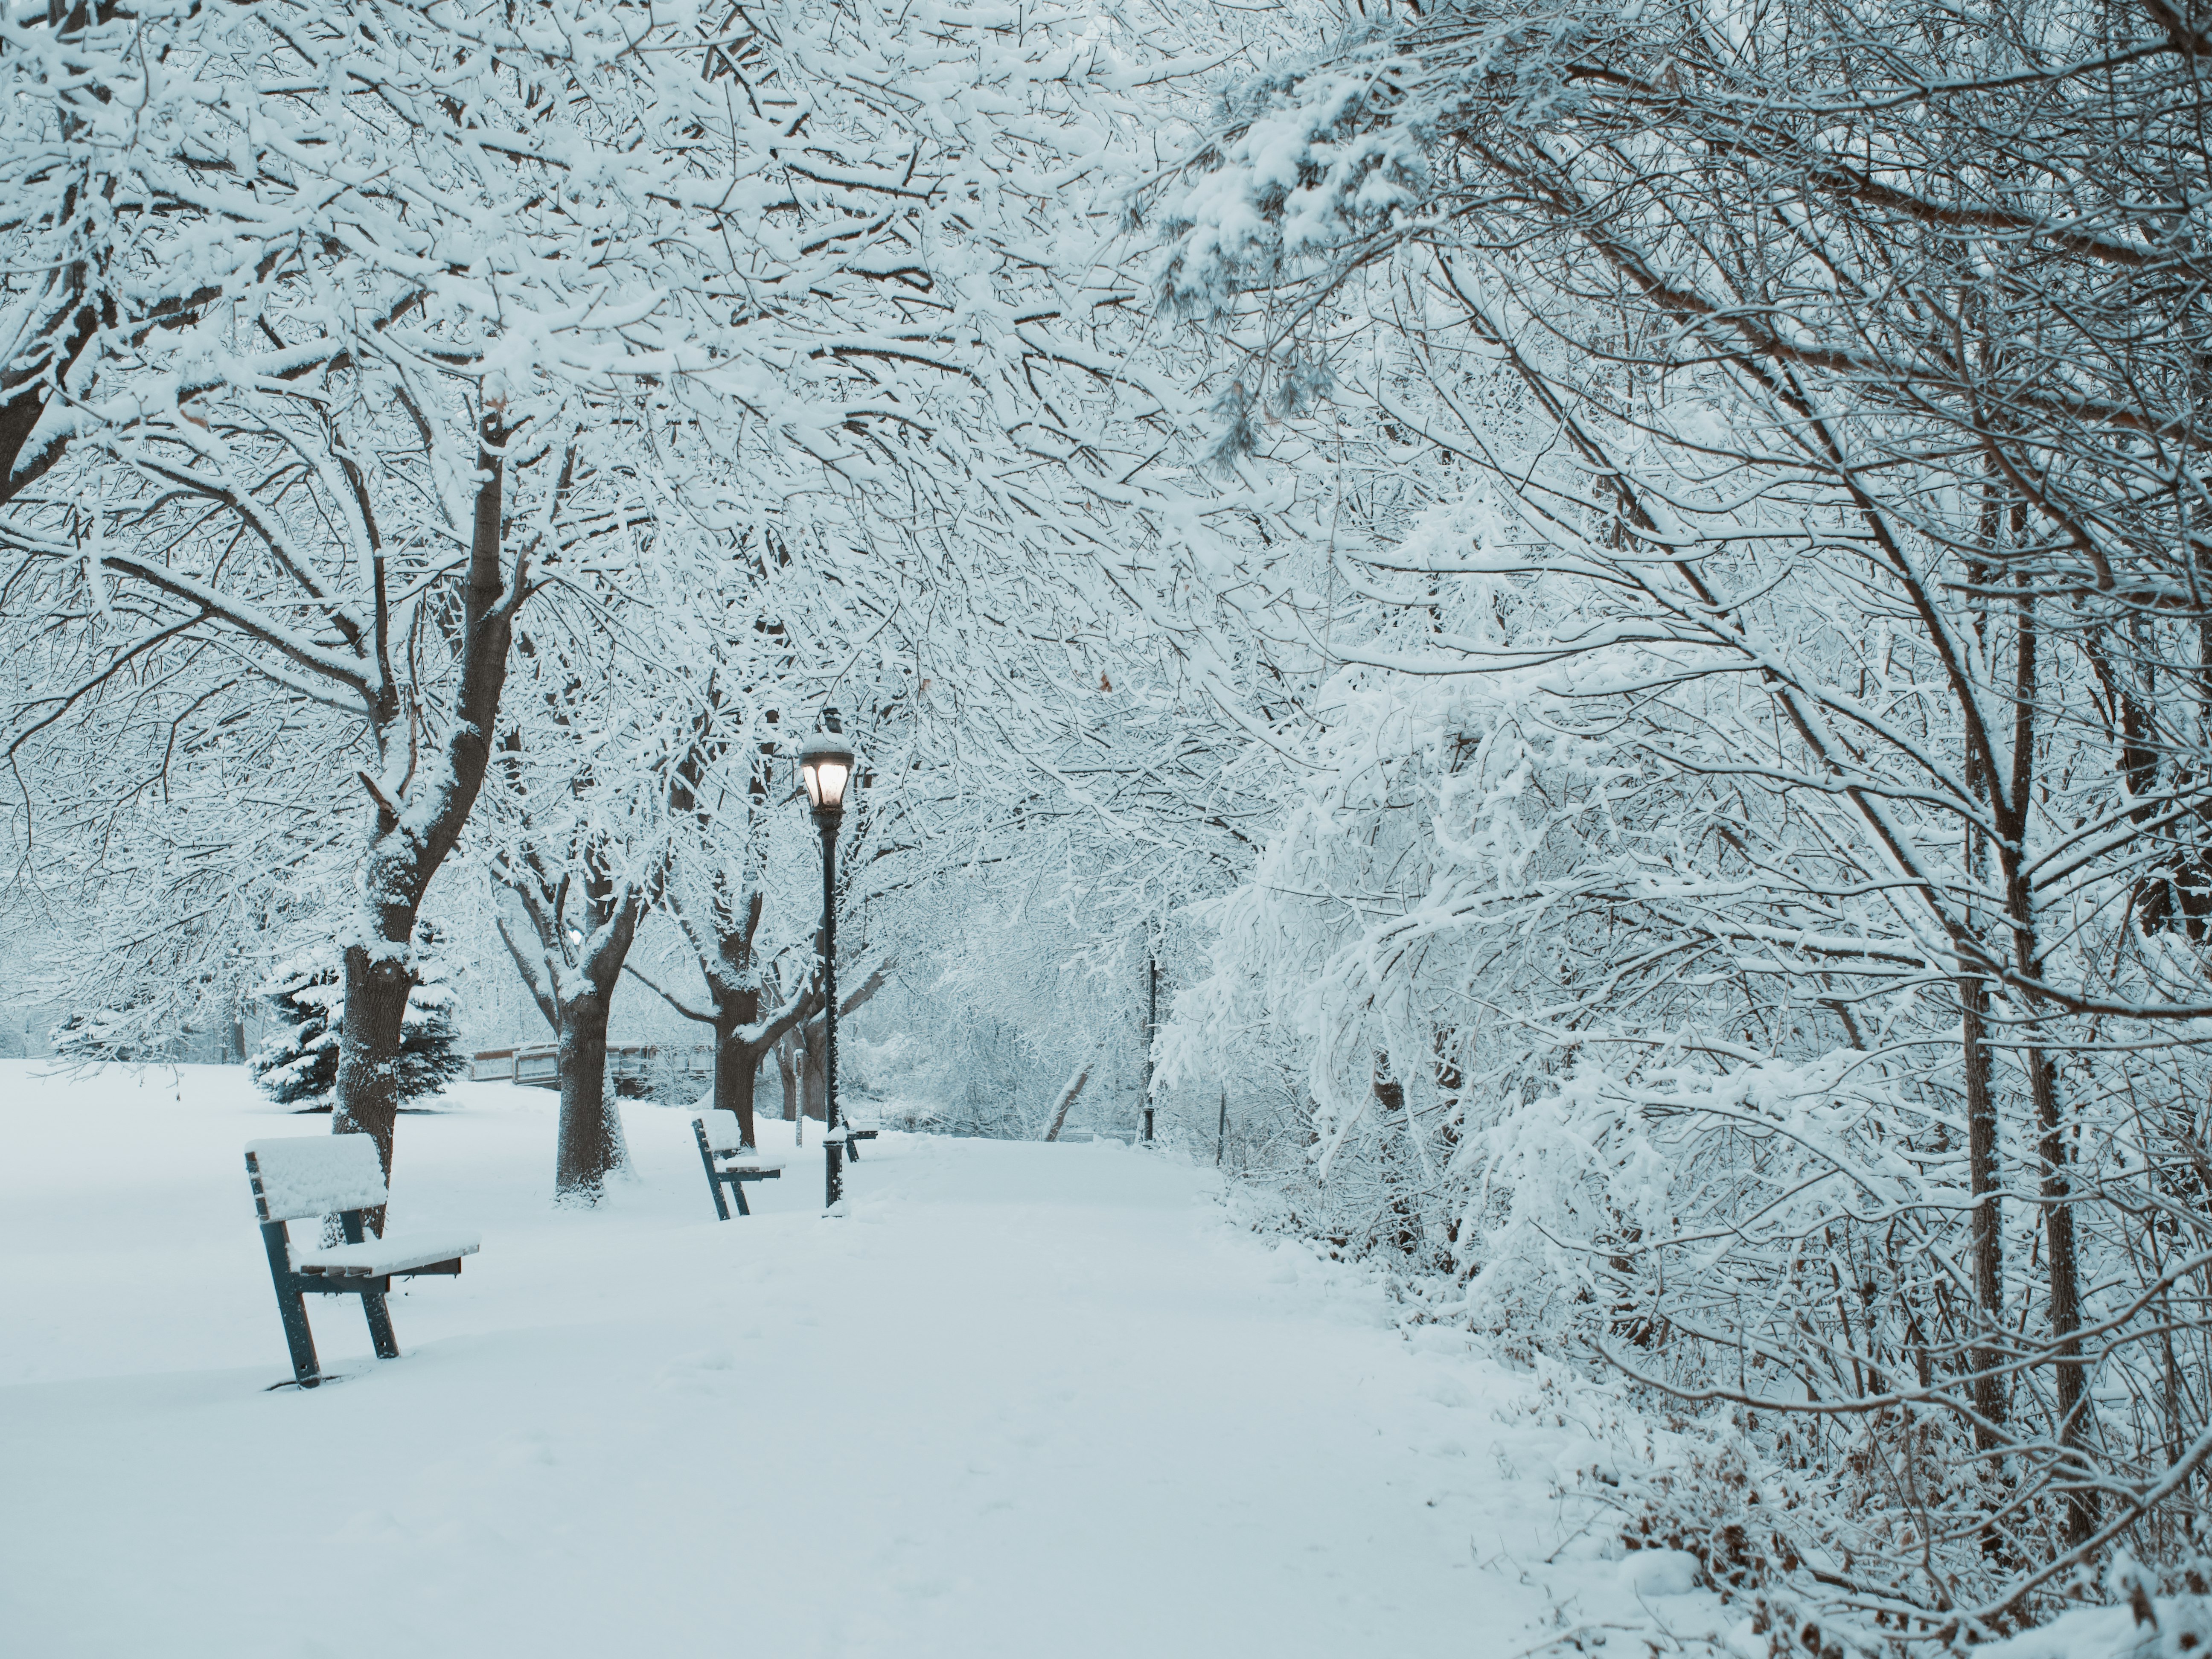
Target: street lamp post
1151,1030
826,764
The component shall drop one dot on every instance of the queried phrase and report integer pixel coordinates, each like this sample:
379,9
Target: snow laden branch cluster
404,403
1743,912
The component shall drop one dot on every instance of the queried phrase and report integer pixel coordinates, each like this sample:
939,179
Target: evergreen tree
93,1035
297,1064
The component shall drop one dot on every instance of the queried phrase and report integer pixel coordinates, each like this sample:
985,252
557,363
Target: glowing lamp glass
827,766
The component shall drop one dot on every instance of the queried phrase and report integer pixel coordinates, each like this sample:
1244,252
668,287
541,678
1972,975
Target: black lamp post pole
832,1149
826,764
1151,1025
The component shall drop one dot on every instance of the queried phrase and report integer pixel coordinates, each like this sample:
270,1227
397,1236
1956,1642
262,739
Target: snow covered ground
1023,1399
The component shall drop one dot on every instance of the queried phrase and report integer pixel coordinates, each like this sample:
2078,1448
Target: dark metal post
826,764
372,1302
1221,1130
291,1307
1151,1023
713,1174
832,1152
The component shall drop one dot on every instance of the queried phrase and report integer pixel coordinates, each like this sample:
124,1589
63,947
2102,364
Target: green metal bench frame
733,1178
293,1288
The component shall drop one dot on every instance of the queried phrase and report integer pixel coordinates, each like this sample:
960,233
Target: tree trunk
1405,1227
576,996
737,1064
1982,1173
2081,1506
1989,1223
590,1144
591,1129
398,864
368,1051
2065,1285
813,1080
788,1070
811,1067
1068,1095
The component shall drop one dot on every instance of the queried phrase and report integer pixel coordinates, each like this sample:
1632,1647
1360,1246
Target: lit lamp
826,764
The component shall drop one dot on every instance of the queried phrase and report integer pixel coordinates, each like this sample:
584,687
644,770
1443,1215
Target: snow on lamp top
315,1175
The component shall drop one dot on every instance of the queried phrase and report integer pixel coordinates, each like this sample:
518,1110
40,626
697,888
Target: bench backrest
717,1137
315,1175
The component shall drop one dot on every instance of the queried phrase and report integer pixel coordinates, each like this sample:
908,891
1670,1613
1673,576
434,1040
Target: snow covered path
1024,1399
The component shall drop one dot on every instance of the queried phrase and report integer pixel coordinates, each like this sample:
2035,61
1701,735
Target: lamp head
826,764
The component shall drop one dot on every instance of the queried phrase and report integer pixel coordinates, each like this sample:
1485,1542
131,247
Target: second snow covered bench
335,1175
731,1165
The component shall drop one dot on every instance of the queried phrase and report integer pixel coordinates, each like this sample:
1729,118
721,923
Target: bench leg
291,1306
852,1149
713,1175
372,1302
738,1192
379,1325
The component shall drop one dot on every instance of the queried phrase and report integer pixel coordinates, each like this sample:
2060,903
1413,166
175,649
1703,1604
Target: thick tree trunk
368,1053
591,1145
577,999
590,1142
722,934
399,864
737,1064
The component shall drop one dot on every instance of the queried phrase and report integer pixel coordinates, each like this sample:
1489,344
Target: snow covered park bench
715,1151
854,1137
323,1174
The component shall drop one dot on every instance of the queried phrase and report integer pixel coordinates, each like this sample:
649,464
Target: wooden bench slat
398,1255
451,1267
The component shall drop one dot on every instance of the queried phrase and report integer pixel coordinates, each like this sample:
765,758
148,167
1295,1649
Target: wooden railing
537,1065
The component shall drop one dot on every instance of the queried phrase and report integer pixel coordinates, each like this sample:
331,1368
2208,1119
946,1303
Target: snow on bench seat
376,1257
747,1159
723,1143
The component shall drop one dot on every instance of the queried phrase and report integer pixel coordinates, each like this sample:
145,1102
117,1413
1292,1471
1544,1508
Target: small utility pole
1151,1023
